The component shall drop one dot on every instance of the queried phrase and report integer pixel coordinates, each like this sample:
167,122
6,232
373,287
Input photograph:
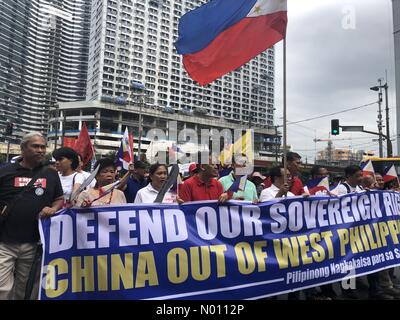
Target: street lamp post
385,86
96,127
137,85
380,126
56,125
277,145
64,121
97,117
9,132
380,123
140,128
388,142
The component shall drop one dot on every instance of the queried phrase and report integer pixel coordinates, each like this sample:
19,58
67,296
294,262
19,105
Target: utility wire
333,113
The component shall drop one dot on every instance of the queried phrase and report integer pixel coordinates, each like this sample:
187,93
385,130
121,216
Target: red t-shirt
193,189
297,186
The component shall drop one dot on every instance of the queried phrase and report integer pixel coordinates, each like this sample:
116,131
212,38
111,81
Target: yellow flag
243,145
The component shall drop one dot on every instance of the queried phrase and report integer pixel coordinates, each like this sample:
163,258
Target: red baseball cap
259,175
192,167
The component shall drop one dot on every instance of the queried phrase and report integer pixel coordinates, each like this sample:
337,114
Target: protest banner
205,250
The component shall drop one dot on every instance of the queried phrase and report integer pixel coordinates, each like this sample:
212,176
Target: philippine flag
368,169
108,188
222,35
124,155
319,184
334,190
239,184
389,174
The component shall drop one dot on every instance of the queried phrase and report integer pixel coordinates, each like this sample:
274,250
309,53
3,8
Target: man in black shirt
19,232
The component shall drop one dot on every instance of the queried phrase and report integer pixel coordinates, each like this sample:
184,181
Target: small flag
186,168
124,155
92,163
108,188
224,171
83,145
171,155
177,149
389,173
368,169
239,184
173,152
334,189
319,184
69,142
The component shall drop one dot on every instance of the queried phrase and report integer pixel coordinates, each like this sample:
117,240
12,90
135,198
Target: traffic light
335,127
9,128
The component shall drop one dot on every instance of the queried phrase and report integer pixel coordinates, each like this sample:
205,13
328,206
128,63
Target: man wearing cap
250,192
258,179
192,169
135,182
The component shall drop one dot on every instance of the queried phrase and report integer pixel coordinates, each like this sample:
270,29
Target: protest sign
205,250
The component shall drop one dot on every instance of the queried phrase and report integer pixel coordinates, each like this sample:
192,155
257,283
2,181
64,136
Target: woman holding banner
158,174
105,191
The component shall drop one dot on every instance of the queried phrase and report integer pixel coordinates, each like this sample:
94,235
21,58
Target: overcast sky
336,50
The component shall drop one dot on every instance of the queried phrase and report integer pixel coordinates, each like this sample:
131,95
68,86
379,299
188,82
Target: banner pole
284,113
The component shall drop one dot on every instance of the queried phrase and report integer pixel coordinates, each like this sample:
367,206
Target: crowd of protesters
54,185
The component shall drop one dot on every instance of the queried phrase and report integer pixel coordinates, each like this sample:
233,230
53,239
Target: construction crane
327,140
329,149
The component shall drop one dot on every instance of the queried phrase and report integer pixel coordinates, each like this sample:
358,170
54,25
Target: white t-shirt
271,192
148,194
68,181
341,189
86,175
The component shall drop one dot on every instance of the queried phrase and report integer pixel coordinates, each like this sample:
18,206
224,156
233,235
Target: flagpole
284,113
398,182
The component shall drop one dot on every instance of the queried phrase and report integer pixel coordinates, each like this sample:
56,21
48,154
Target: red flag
84,145
69,142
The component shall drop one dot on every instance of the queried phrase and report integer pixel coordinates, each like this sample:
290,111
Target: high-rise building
132,40
43,59
396,34
132,46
